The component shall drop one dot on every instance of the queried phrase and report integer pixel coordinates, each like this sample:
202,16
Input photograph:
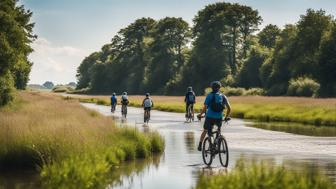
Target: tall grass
277,109
297,128
71,146
260,175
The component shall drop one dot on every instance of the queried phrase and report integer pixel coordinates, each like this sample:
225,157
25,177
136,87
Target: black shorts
147,108
187,105
210,122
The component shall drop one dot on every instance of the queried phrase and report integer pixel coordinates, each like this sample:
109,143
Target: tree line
167,55
15,38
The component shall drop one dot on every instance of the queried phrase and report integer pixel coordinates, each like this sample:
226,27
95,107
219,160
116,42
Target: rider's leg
199,148
206,127
186,110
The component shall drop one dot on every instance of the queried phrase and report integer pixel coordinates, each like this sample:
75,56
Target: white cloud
54,63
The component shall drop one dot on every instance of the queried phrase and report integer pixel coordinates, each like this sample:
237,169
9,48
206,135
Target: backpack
148,103
124,100
217,106
191,97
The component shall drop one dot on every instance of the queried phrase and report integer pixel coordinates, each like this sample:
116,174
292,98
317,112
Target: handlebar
226,120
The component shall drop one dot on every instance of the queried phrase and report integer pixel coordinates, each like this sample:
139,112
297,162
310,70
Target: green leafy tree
311,29
267,37
83,71
249,75
48,85
327,65
15,38
170,36
221,31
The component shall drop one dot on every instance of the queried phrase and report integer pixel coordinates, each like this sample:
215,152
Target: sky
69,30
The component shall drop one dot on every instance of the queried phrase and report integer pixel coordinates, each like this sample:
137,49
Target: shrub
255,92
231,91
256,175
6,89
303,86
62,89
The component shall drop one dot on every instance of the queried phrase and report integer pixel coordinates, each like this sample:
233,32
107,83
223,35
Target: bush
303,86
62,89
256,175
6,89
231,91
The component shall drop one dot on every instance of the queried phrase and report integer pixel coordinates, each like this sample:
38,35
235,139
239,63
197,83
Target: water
181,163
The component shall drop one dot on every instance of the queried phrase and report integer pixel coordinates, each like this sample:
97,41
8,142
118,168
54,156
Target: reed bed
71,146
262,175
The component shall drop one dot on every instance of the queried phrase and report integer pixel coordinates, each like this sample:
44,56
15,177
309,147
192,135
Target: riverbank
267,109
256,175
71,146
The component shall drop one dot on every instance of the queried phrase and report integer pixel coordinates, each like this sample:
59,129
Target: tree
275,72
249,75
170,36
48,85
267,37
15,38
221,33
83,71
327,65
311,29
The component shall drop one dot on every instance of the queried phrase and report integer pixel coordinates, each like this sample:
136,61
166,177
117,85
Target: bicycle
124,110
190,115
146,116
213,146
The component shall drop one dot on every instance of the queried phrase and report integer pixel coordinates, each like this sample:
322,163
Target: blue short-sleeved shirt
219,98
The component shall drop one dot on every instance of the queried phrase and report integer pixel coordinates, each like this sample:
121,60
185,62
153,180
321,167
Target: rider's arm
143,103
203,110
152,103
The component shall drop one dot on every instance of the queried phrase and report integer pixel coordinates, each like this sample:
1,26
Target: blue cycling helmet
124,93
216,85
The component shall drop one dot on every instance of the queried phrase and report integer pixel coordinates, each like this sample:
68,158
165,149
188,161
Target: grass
297,128
276,109
261,175
71,146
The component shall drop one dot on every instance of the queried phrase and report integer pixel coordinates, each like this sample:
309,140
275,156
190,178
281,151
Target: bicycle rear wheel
189,114
206,151
223,152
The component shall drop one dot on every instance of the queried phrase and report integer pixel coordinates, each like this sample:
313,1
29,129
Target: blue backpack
191,97
217,106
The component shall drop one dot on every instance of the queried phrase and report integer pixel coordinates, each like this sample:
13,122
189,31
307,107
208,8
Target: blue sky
69,30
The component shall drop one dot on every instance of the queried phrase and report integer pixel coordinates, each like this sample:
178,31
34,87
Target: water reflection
131,170
189,141
19,180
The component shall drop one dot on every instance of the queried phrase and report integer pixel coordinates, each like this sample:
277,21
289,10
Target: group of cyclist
214,105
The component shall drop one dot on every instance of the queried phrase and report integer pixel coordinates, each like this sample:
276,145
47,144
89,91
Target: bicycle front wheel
206,151
223,152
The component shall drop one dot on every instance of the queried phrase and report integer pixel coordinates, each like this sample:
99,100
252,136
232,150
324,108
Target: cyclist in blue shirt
214,105
190,99
113,102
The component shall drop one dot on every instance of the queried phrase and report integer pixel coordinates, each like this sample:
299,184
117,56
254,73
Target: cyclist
190,99
214,104
113,102
124,102
147,103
